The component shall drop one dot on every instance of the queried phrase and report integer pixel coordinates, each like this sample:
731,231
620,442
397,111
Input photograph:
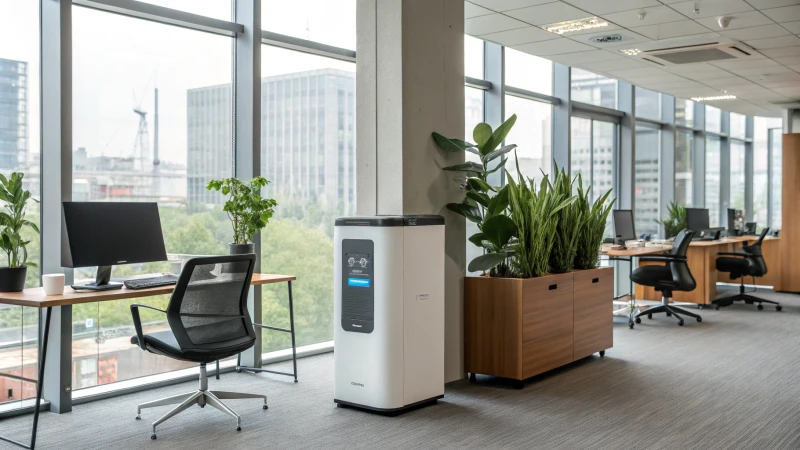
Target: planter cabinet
517,328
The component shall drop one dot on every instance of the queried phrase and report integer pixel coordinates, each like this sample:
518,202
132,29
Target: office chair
674,275
208,321
746,261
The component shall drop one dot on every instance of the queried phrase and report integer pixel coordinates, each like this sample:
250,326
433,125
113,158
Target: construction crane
141,147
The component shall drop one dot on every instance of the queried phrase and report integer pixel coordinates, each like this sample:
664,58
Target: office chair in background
746,261
674,275
208,320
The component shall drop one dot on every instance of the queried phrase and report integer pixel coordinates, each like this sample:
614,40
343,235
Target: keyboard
144,283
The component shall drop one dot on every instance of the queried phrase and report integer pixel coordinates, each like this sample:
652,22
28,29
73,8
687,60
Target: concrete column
410,83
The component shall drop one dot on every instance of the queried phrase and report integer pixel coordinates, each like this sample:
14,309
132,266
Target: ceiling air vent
609,39
697,53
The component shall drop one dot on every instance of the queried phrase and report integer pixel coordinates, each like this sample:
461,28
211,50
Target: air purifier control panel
358,290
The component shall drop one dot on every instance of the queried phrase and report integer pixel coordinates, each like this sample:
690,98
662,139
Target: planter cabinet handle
595,280
553,287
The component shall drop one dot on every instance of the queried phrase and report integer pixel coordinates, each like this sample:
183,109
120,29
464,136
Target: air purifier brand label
358,288
423,297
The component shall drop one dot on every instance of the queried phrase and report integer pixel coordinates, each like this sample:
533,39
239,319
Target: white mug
53,283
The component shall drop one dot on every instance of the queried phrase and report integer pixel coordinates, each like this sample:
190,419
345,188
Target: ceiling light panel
575,25
713,98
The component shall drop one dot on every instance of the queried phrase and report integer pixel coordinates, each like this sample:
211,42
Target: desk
702,259
629,254
35,298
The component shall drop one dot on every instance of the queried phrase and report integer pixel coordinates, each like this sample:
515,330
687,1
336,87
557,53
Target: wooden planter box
517,328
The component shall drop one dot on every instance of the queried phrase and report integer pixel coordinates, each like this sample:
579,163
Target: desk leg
291,324
39,384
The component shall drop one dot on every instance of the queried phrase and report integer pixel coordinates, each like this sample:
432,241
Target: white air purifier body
389,312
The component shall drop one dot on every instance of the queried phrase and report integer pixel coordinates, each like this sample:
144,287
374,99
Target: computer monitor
735,221
623,226
697,219
103,234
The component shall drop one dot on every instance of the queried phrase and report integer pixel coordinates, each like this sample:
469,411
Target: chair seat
164,343
737,267
656,276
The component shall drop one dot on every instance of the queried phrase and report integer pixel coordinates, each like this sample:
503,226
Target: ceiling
761,82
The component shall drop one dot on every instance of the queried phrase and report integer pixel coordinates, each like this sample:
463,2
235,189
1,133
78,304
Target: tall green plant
590,236
246,209
570,221
484,203
12,220
536,215
675,220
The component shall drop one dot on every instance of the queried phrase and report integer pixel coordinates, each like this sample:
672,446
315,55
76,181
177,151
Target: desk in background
702,260
35,298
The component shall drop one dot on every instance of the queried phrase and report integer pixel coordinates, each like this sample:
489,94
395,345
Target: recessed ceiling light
631,51
714,98
575,25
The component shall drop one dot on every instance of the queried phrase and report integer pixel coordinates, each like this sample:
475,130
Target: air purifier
389,312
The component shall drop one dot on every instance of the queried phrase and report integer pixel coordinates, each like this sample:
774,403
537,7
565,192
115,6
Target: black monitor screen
697,219
105,234
623,226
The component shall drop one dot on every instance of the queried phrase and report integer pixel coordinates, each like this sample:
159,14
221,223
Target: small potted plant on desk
247,210
12,221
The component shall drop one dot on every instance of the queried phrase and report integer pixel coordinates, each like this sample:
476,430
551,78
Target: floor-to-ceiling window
684,144
713,119
592,154
713,179
760,171
473,115
588,87
646,178
737,176
775,138
19,152
684,112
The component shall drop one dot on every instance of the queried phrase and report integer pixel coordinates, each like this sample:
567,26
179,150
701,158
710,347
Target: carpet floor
730,382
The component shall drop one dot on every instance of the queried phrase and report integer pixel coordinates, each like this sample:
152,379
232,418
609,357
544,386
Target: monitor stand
101,281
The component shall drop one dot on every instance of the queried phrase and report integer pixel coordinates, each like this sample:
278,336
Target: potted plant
675,220
12,220
247,210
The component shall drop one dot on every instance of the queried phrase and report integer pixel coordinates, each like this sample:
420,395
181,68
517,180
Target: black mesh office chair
674,275
208,321
746,261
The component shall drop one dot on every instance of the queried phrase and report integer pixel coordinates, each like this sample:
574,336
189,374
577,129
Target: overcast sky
118,61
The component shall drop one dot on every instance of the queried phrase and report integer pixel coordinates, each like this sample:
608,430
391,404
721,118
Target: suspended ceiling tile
519,36
671,29
753,33
611,6
765,4
795,67
785,14
738,20
580,59
789,60
548,13
756,72
793,27
473,10
744,64
628,63
712,8
655,15
644,72
778,42
505,5
781,52
492,23
553,47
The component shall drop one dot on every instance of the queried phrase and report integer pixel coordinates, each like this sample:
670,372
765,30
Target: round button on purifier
351,261
363,262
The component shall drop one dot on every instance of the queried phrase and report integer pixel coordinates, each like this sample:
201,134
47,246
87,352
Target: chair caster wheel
238,428
717,308
760,307
680,324
138,417
649,316
639,319
473,378
699,319
700,307
630,325
778,308
266,407
238,370
602,353
669,314
153,436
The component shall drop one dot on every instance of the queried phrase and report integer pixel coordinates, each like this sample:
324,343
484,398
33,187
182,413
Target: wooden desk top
35,297
633,252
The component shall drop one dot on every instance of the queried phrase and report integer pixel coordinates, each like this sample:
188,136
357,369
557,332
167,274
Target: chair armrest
662,258
137,322
743,255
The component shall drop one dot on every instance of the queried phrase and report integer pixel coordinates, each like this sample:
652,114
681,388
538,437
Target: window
19,151
775,139
648,104
760,171
646,197
118,158
593,146
473,57
684,112
713,167
684,145
218,9
588,87
737,175
531,133
737,125
473,115
713,119
331,22
528,72
308,152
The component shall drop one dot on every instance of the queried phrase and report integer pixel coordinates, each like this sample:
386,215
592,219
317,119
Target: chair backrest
681,275
758,266
208,308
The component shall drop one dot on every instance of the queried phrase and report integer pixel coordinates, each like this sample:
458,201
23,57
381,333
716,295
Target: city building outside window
713,179
737,174
684,144
648,104
588,87
684,112
776,136
646,191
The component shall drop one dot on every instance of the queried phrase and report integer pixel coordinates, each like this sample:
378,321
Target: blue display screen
360,282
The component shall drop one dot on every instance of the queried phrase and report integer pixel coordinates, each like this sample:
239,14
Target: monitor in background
750,228
104,234
697,219
735,222
623,226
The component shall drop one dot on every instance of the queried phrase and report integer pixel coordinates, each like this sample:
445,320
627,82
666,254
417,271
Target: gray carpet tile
730,382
